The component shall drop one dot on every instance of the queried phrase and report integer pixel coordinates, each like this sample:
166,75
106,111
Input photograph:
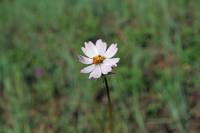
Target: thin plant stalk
109,105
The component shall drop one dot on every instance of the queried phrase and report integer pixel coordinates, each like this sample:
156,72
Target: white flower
99,58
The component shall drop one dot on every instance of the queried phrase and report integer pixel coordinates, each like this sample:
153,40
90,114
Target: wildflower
39,72
99,58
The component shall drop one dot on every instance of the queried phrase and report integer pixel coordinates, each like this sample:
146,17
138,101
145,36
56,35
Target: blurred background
155,88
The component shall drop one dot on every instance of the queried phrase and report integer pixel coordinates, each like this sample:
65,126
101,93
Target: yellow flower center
98,59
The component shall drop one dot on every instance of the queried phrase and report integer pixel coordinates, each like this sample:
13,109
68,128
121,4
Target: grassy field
155,88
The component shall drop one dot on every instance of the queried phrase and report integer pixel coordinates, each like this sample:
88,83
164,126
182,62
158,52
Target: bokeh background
155,88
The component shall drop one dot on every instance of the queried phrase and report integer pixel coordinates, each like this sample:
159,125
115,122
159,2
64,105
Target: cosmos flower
99,58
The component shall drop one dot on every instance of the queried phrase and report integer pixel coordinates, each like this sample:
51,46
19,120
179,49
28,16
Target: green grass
159,48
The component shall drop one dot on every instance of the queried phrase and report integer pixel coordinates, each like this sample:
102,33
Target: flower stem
109,105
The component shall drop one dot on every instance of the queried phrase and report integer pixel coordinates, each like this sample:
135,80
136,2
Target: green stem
109,105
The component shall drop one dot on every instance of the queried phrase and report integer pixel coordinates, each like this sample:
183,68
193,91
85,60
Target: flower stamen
98,59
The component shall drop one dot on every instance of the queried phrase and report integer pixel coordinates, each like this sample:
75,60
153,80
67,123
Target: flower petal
106,68
89,49
112,50
96,73
101,47
111,62
88,69
85,60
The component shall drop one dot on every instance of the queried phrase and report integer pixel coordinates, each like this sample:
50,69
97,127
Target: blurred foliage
156,85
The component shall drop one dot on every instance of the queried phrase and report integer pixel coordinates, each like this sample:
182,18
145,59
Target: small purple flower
39,72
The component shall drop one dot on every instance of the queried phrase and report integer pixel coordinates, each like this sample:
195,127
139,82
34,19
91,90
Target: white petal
89,49
112,62
85,60
101,47
106,68
88,69
112,50
96,73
